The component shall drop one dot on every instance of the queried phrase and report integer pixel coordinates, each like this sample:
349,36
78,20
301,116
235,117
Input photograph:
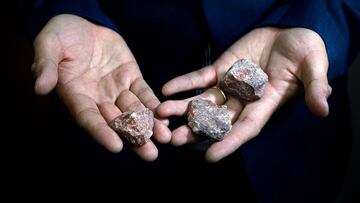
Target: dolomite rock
136,126
208,119
244,80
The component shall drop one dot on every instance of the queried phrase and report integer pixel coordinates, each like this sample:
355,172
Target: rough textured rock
136,127
244,80
208,119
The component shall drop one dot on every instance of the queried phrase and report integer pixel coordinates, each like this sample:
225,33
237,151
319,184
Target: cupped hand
295,60
96,76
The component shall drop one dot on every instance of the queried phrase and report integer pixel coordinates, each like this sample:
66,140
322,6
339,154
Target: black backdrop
33,146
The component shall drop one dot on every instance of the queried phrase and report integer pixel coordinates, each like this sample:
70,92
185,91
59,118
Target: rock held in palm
135,126
244,80
208,119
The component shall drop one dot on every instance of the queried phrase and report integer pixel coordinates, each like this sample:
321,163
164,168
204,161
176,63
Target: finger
197,79
182,135
173,108
89,117
234,107
161,132
109,111
127,101
145,94
45,66
180,107
317,88
148,151
250,122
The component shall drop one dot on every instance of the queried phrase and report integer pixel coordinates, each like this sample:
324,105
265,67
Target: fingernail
329,91
165,122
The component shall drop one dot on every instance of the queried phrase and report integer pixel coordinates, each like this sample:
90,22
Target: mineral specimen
208,119
244,80
135,126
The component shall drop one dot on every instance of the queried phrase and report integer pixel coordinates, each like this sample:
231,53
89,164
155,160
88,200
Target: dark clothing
297,157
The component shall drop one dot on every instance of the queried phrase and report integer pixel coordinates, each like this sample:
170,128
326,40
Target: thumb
45,66
317,88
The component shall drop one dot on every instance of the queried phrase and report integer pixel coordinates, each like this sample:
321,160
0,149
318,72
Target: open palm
295,59
96,76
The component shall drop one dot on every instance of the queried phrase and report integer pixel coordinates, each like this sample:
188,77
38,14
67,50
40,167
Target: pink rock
208,119
244,80
136,126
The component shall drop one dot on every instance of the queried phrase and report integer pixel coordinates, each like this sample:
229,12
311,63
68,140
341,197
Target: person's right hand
96,76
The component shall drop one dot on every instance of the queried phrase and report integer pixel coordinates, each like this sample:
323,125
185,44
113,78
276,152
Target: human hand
295,60
96,76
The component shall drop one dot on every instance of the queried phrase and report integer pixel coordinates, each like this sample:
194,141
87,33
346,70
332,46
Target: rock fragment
208,119
135,126
244,80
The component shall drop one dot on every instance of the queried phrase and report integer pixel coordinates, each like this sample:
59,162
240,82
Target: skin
295,60
97,78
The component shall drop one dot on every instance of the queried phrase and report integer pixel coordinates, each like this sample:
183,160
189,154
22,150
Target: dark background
351,189
34,145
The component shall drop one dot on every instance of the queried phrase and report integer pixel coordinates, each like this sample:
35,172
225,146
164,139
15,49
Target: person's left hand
293,58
